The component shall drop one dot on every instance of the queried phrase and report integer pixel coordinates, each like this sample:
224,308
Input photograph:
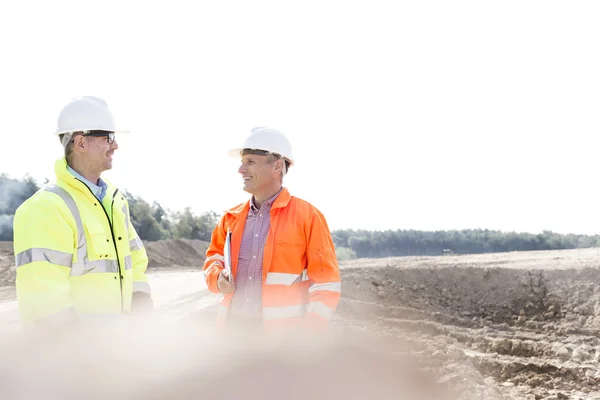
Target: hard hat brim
237,153
60,132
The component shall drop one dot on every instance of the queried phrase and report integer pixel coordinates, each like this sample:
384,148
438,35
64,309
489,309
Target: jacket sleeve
323,274
215,261
44,244
139,260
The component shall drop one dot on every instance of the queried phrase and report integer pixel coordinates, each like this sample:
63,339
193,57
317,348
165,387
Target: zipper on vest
120,277
112,211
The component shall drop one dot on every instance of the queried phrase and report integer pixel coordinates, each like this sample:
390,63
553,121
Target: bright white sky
415,114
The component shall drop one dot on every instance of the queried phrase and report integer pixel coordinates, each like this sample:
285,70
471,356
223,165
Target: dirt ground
521,325
498,326
7,263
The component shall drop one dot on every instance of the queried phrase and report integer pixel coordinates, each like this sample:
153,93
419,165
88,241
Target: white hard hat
86,113
266,139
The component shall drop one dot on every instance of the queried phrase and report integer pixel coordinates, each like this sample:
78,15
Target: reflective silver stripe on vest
136,244
329,286
38,254
128,263
124,209
270,313
98,267
81,243
321,309
281,278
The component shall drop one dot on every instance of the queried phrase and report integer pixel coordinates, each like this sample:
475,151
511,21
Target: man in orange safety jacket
272,257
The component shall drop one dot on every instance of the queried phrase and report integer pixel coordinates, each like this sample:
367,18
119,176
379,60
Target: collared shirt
98,190
247,298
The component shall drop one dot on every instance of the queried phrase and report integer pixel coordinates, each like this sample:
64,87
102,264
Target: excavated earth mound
514,325
176,253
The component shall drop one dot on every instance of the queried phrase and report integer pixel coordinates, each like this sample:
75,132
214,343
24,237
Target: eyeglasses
110,136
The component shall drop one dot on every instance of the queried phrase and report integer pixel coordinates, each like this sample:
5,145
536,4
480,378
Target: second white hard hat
266,139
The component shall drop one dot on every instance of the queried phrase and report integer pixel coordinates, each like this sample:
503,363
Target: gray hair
66,140
271,158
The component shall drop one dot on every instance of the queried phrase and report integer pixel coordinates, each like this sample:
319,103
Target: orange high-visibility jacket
300,275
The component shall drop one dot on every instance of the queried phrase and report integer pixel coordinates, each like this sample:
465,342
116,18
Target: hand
223,283
141,303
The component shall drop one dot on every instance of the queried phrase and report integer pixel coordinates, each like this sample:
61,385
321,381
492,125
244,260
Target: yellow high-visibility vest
74,254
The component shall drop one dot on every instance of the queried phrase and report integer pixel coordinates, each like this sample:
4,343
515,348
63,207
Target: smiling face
94,153
261,174
100,153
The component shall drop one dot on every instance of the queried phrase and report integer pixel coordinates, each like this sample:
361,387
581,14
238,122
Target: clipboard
227,254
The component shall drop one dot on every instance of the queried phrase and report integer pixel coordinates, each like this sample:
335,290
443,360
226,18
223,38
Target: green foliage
344,253
187,225
148,220
153,222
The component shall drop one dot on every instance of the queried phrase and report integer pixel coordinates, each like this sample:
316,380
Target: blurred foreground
156,358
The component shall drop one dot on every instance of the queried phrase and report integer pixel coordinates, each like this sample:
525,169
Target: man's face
100,152
258,174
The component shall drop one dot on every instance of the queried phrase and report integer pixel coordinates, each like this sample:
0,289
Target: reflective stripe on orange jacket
301,278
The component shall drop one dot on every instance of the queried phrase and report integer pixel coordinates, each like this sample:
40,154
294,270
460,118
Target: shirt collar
267,203
97,189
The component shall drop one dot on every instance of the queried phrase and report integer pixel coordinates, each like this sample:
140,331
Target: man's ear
79,143
279,165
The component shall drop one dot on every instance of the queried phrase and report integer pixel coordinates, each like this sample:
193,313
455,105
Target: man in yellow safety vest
77,253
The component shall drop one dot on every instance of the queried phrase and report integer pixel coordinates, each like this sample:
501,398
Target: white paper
227,254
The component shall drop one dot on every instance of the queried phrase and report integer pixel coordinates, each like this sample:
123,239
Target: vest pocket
290,244
289,257
99,243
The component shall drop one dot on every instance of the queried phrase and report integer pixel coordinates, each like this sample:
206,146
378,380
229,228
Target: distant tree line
468,241
153,222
